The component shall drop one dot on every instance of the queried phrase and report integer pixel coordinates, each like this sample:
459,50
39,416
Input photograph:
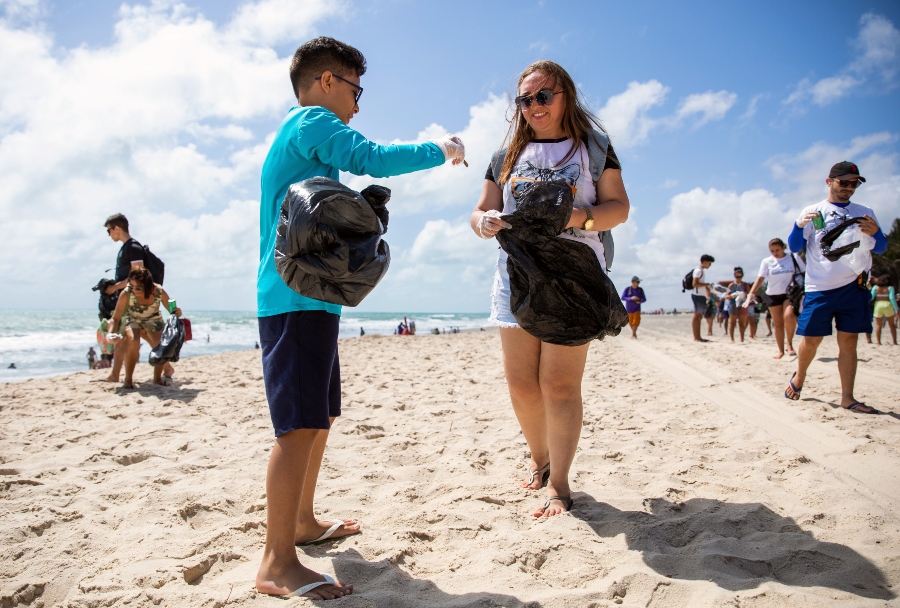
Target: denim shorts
501,314
301,370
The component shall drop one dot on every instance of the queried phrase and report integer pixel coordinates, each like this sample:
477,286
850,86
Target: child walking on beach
298,334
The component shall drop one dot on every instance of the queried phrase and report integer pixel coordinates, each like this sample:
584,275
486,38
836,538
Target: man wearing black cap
835,292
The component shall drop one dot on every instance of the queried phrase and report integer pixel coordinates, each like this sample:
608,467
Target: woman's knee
561,389
523,385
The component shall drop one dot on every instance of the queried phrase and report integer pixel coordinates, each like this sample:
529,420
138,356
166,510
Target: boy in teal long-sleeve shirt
298,334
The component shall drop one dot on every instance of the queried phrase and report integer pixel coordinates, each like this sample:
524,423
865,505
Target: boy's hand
453,148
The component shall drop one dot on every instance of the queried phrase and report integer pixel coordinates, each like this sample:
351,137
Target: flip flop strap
307,588
335,525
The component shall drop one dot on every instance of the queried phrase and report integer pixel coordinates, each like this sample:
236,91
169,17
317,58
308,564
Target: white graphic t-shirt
779,272
821,273
541,161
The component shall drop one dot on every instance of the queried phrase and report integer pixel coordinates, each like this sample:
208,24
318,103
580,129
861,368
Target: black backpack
155,265
687,283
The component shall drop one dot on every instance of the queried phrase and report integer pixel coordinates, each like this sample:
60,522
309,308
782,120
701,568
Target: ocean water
51,342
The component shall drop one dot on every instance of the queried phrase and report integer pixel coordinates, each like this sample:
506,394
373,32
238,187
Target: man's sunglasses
544,97
359,89
846,183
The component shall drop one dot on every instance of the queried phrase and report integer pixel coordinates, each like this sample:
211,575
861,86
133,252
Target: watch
589,222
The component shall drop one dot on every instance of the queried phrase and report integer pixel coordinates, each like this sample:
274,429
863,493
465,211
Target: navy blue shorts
848,306
301,370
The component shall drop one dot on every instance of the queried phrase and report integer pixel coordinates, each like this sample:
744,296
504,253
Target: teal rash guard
313,141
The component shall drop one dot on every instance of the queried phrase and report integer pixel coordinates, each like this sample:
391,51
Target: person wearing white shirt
779,269
835,292
701,282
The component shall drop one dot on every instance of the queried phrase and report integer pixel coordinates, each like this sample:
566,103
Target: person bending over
138,311
299,335
547,143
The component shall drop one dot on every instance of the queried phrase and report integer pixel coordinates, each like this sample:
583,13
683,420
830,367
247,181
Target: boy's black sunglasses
359,89
544,97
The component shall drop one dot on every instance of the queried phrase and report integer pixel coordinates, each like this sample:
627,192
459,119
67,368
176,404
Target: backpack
597,145
155,265
687,283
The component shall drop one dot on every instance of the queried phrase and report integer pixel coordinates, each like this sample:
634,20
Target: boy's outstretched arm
324,137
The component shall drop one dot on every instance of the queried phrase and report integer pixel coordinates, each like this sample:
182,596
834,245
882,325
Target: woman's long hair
143,276
576,124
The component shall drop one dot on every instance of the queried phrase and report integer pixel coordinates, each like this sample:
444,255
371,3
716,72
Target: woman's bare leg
790,327
132,346
778,323
879,323
521,361
561,372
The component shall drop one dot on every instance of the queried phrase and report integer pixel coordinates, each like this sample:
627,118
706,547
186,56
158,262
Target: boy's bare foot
284,582
778,356
128,385
317,532
107,379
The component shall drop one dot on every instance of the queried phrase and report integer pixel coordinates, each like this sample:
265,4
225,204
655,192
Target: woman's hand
490,224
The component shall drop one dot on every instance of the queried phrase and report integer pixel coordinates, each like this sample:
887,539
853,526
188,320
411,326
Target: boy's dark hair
117,221
320,55
707,258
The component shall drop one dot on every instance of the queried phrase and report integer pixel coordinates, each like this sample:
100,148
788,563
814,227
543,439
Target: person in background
836,294
130,256
634,297
778,269
710,313
701,281
138,311
91,357
737,294
107,348
884,307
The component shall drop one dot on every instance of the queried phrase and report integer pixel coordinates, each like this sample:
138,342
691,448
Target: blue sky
725,116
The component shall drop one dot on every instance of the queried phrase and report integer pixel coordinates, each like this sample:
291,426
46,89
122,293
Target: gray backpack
597,145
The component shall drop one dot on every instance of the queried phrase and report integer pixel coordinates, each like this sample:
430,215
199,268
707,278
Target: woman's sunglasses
544,97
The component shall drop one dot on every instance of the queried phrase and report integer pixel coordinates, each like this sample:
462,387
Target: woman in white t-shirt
546,142
779,269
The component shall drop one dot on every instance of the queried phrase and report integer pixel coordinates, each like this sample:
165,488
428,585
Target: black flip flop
854,407
796,390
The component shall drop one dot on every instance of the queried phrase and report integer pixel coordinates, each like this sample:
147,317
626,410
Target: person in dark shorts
835,292
778,269
299,335
701,281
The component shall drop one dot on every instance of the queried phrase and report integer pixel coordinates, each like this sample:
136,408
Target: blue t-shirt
313,141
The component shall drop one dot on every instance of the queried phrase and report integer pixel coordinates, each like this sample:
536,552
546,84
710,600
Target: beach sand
696,483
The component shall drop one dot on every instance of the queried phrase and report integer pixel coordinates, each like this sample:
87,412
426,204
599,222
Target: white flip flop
336,523
307,588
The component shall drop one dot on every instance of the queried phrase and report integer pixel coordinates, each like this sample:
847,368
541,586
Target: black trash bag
559,292
828,239
328,244
169,348
107,304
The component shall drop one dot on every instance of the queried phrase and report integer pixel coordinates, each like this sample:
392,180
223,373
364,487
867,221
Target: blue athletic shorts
848,306
301,370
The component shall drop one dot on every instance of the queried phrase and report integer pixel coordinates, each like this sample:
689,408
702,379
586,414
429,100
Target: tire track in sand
863,472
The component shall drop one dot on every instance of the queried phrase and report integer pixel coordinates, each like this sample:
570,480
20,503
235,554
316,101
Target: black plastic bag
559,292
107,304
170,342
328,244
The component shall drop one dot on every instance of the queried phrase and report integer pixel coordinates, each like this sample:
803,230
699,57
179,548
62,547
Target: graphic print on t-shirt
526,174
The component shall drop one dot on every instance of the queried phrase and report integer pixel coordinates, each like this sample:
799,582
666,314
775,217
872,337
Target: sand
696,483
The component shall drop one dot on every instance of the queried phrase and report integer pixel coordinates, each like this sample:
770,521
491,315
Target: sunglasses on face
544,97
359,89
846,183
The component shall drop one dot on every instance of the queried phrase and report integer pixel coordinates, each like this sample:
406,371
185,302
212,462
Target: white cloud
877,54
626,116
705,106
134,127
